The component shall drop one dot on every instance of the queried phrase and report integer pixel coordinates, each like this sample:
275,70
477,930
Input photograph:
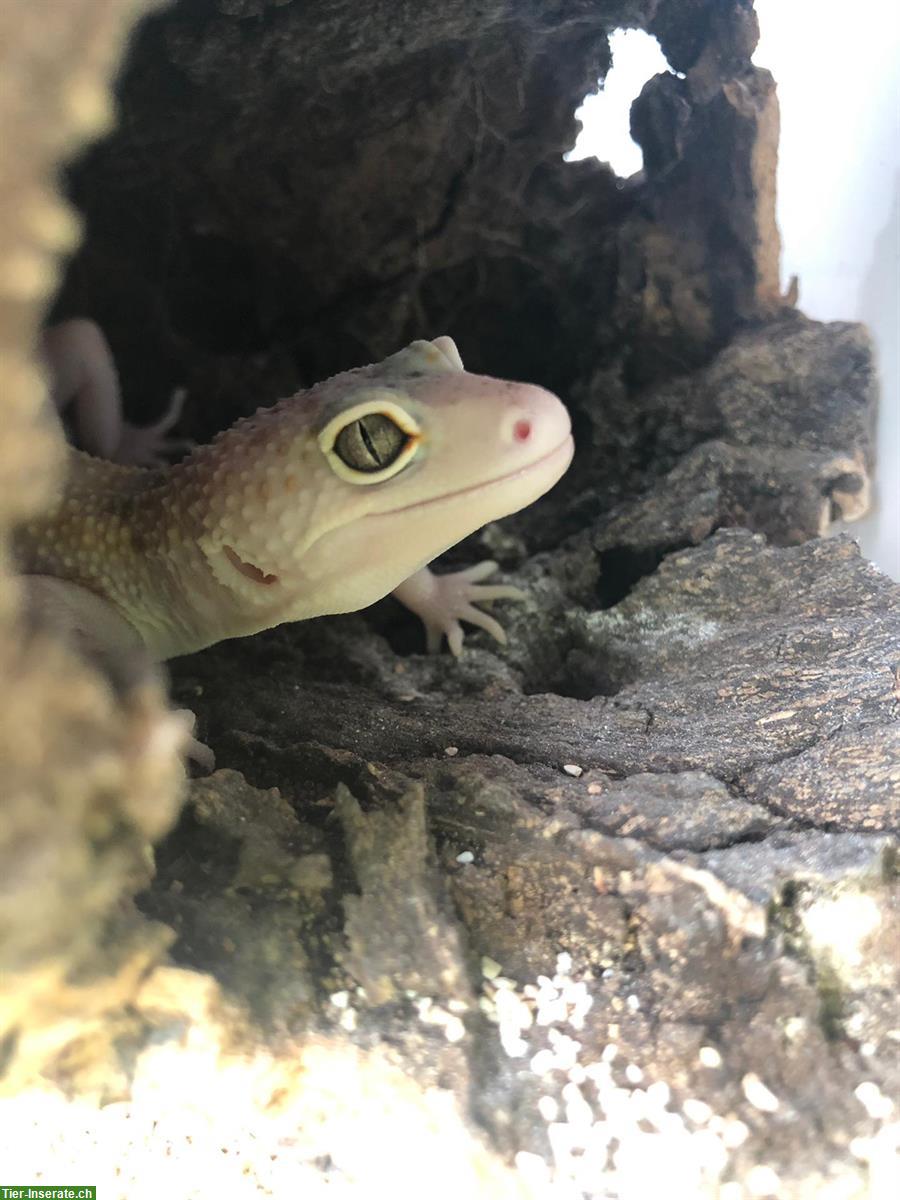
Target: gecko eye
370,443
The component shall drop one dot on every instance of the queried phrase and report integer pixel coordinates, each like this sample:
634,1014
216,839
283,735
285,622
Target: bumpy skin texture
267,524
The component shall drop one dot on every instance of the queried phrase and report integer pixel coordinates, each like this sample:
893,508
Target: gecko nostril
522,431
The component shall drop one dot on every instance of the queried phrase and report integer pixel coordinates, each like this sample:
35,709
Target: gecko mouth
565,449
561,454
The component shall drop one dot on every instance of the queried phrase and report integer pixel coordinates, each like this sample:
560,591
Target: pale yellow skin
265,525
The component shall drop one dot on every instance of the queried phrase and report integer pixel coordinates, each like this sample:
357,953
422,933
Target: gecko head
422,454
400,461
421,431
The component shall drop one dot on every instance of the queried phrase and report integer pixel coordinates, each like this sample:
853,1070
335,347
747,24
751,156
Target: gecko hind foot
193,749
150,445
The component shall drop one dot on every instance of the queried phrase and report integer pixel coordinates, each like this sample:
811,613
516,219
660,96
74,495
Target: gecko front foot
443,601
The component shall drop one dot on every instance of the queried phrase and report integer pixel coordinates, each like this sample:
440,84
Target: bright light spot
877,1105
882,1153
758,1094
607,1136
841,925
763,1181
203,1124
710,1057
839,195
605,117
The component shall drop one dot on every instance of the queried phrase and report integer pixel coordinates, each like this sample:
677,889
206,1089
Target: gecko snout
535,422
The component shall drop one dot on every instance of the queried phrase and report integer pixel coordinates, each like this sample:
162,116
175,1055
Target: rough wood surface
666,813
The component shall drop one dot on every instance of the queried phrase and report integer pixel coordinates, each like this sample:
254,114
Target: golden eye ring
370,442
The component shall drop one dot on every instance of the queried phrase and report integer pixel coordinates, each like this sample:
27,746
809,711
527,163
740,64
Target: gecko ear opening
437,357
370,442
447,347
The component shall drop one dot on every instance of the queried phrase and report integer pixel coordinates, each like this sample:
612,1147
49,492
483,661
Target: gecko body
323,503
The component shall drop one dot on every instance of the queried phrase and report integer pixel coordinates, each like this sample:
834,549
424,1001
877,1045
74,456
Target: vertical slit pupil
368,443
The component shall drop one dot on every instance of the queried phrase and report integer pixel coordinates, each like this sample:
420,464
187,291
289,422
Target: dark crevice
454,191
212,296
622,567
